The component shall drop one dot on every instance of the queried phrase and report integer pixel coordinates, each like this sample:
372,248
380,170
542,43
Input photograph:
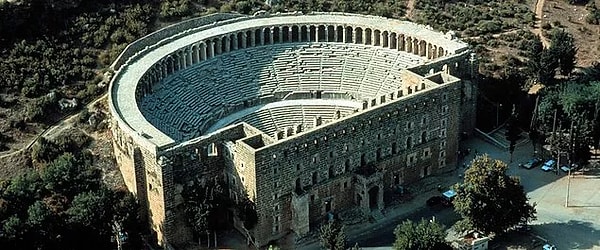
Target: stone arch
257,37
321,35
240,40
440,52
202,51
401,42
378,38
295,34
277,38
339,34
368,39
286,33
233,42
176,62
348,31
266,36
415,46
429,51
422,48
393,41
408,43
312,33
358,33
331,34
304,33
374,197
385,42
195,54
215,47
188,57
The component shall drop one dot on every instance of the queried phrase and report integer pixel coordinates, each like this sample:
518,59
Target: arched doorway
374,197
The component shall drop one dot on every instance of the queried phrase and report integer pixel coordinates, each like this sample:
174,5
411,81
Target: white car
549,247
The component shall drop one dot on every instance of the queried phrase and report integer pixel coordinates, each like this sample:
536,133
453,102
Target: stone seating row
184,99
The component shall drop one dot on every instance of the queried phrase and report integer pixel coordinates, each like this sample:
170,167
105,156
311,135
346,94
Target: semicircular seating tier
191,102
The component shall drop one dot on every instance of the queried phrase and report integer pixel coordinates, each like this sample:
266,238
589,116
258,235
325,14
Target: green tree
577,109
541,64
91,210
490,201
332,236
563,48
44,150
421,235
69,176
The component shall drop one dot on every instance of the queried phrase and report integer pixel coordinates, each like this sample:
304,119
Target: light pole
498,113
568,186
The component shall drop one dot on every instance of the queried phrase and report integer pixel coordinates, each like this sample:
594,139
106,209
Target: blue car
549,165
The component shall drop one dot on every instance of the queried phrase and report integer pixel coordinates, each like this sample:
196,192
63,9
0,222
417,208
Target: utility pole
568,187
554,140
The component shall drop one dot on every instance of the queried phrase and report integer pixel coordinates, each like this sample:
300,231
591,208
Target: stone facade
299,175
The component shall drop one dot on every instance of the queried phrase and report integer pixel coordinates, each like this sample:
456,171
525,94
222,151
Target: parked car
531,163
523,228
439,200
549,247
566,168
549,165
434,201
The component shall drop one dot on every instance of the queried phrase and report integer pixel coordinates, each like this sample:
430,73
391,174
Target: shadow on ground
572,234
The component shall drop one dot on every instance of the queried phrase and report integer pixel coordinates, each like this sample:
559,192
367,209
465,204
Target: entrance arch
374,197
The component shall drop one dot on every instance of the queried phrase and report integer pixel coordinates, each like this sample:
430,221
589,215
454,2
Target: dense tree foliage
385,8
490,201
64,206
562,47
474,17
332,236
577,109
420,235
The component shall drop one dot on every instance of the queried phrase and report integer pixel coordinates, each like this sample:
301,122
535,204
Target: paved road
565,227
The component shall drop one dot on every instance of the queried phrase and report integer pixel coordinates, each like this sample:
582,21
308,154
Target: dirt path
497,34
56,127
410,7
539,14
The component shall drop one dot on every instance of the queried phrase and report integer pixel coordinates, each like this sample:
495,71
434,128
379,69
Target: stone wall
317,160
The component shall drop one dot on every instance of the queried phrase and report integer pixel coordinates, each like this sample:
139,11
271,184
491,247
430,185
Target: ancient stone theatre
306,114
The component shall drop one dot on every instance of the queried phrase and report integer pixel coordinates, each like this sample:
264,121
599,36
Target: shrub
546,26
